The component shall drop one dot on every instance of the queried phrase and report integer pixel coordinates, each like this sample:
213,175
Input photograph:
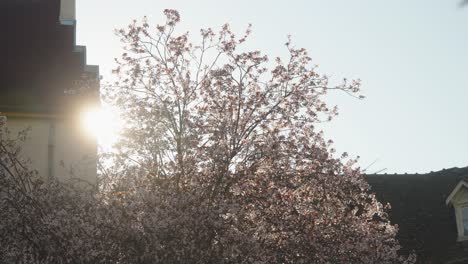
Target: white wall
53,141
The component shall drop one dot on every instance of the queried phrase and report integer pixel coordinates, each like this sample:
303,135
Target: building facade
431,211
45,83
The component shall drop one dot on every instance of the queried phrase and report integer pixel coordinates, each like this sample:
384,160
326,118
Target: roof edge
457,188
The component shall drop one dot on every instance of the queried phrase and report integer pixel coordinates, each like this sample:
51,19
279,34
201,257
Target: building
431,211
45,84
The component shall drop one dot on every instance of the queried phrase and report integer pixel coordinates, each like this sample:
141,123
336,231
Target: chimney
67,12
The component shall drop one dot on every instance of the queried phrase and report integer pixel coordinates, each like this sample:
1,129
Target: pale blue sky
412,57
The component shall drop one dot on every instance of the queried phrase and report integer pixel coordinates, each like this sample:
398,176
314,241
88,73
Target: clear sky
412,57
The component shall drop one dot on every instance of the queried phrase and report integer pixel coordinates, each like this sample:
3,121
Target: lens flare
101,123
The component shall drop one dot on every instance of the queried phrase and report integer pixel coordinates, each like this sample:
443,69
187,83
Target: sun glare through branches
104,123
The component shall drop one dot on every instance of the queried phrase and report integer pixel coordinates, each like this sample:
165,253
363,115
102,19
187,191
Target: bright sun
103,123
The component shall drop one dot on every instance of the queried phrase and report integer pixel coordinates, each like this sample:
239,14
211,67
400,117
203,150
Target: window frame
460,221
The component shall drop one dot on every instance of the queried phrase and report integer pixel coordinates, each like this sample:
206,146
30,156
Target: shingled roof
39,57
426,223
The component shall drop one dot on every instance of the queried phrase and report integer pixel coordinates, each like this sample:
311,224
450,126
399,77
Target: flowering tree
44,220
219,162
237,132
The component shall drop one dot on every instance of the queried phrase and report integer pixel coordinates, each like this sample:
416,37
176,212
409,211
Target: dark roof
39,57
426,224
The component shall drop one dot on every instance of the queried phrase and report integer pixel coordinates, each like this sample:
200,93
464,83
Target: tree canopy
220,161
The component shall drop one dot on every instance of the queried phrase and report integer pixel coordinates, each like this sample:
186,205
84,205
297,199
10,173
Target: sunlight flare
102,123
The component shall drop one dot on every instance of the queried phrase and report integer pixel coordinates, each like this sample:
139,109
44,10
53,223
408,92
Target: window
465,220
